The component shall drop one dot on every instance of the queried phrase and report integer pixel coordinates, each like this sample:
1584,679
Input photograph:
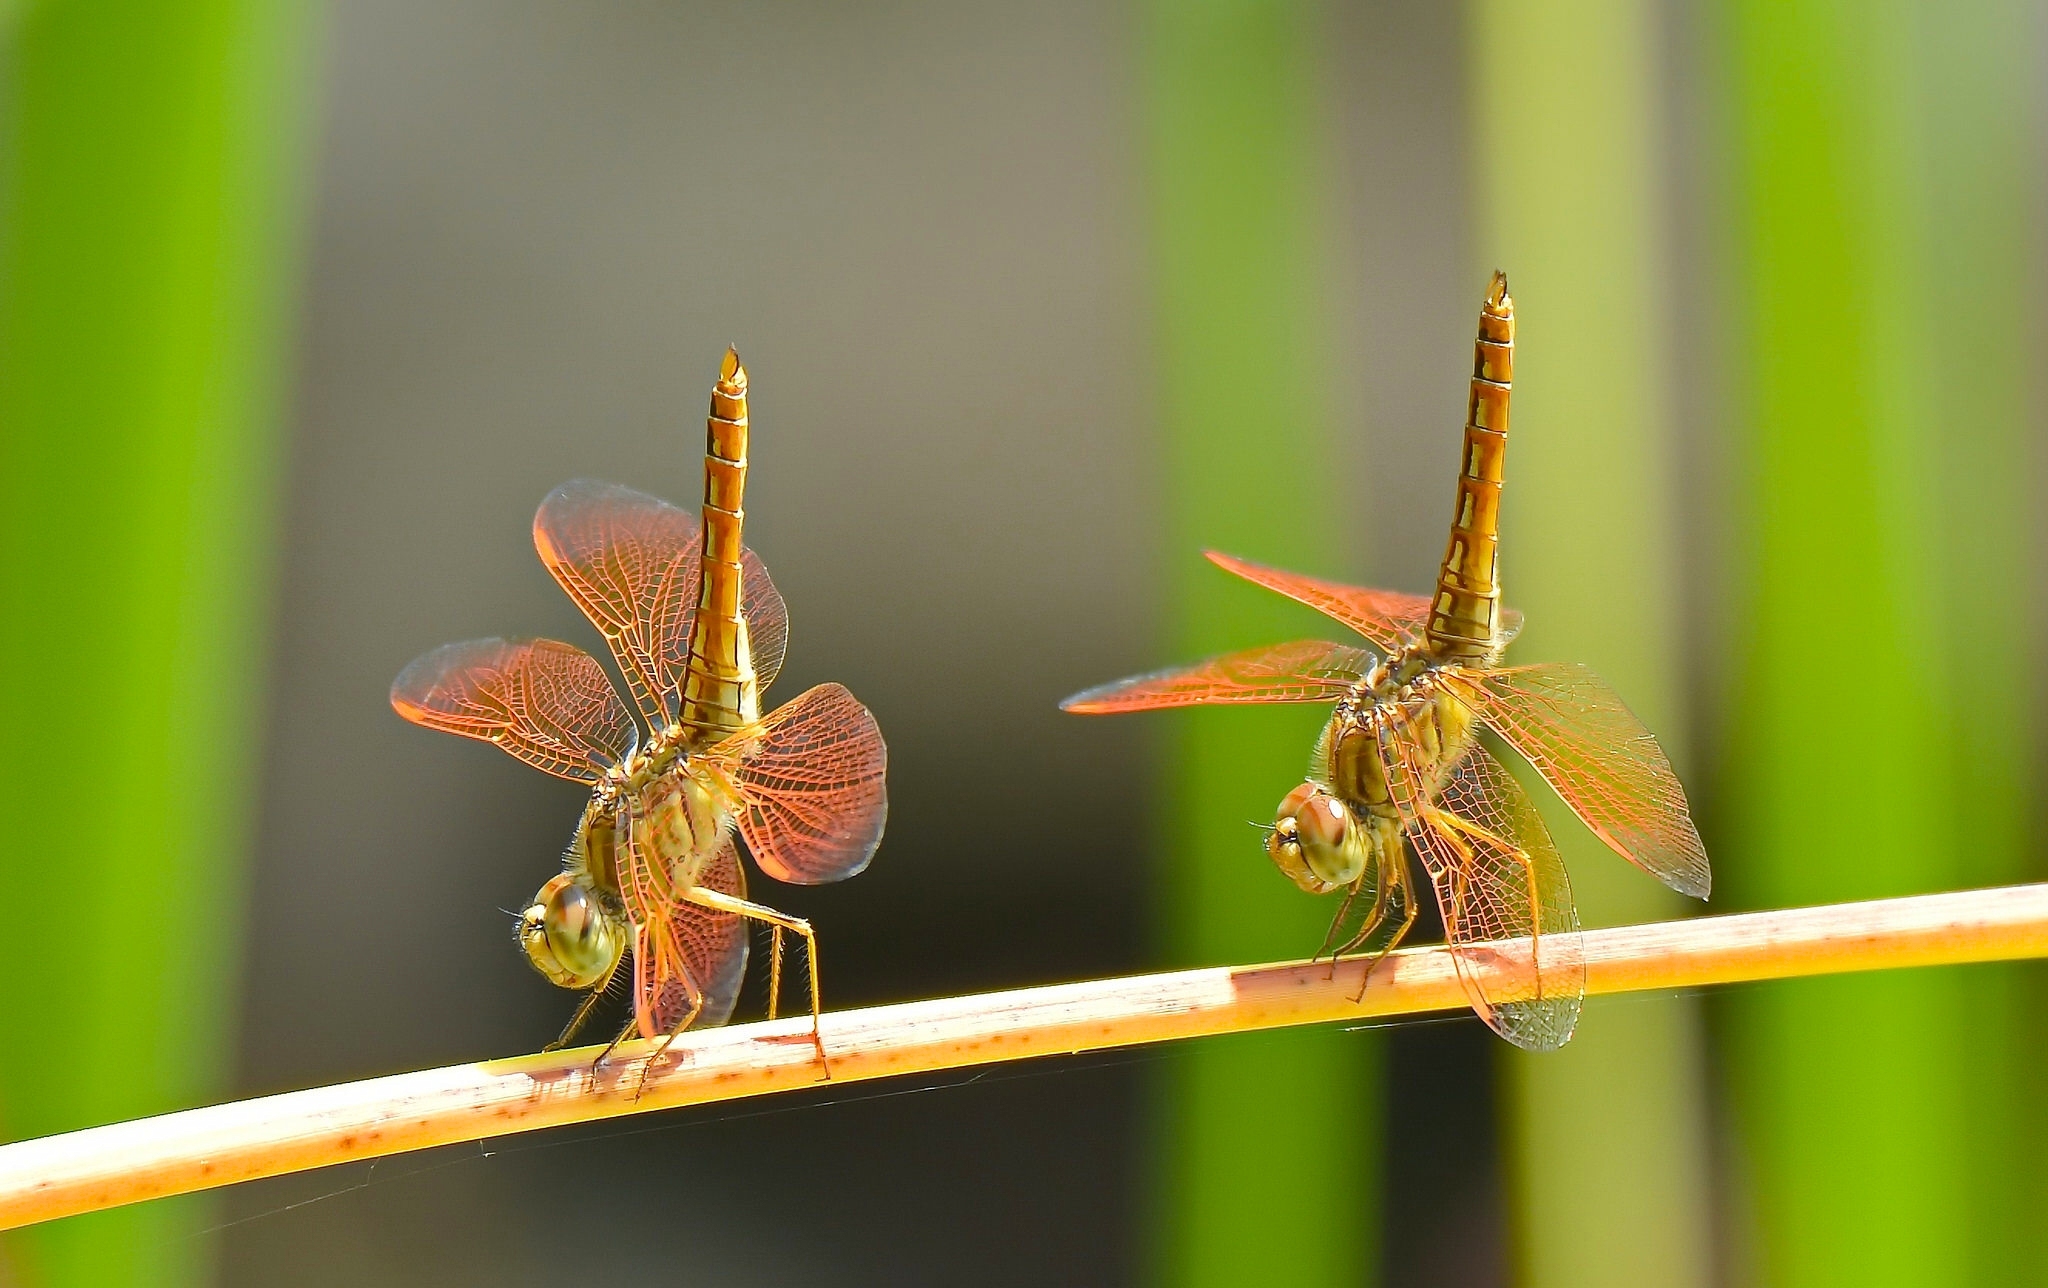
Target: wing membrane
1303,671
548,703
1505,898
629,560
696,952
1390,619
811,780
1575,730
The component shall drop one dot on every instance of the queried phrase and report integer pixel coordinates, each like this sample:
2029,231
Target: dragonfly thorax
1347,818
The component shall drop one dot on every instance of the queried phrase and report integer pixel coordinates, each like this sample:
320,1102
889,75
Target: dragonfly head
1316,841
569,936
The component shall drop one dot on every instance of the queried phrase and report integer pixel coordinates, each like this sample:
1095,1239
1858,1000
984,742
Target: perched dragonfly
698,632
1399,763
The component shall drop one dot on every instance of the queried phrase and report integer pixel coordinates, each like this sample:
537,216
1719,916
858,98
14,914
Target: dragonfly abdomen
1464,620
719,690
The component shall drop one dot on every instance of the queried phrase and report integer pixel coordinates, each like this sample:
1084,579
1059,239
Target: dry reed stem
103,1167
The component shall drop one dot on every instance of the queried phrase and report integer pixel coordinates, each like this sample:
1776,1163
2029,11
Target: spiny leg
1373,919
706,897
1330,935
675,1031
774,969
1409,909
632,1027
1397,874
582,1015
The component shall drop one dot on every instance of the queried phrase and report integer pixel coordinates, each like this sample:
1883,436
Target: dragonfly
1400,767
698,631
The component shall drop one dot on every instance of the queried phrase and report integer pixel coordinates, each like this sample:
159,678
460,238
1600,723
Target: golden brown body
1399,767
1465,618
719,690
698,630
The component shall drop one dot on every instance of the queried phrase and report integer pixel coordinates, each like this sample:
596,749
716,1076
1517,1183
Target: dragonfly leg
632,1027
706,897
1374,919
582,1015
1409,908
774,969
675,1031
1330,936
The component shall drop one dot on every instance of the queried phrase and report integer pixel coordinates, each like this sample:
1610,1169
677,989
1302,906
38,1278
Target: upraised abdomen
1464,620
719,691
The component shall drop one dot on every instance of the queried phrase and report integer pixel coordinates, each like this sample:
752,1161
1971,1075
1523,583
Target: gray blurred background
535,227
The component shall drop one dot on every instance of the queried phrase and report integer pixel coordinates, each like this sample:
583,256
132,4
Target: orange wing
629,560
1575,730
811,783
695,959
548,703
1498,877
1390,619
1304,671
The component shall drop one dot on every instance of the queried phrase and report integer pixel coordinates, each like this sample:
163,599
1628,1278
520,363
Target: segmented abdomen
1464,620
718,686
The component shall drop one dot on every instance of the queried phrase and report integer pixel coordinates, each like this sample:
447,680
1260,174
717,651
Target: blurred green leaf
1608,1137
1250,1128
153,165
1879,215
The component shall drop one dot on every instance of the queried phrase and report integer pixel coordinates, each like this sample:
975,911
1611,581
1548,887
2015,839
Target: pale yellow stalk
198,1149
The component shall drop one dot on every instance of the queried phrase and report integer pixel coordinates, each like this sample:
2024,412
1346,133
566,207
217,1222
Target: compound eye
568,936
1322,822
1283,843
1323,825
1295,800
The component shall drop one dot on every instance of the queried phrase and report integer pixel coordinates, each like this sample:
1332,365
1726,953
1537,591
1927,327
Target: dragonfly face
571,935
1316,841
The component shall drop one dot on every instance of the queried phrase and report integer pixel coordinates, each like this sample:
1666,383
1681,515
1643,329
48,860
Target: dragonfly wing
811,781
767,620
629,560
697,957
1388,618
1303,671
548,703
1574,729
1504,895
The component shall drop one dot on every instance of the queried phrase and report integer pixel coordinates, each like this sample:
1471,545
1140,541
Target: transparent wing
629,560
548,703
696,952
1388,618
1303,671
810,778
1575,730
1501,887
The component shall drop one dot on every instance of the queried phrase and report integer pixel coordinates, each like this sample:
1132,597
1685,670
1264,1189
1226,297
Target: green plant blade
151,183
1878,211
1250,1129
1565,113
